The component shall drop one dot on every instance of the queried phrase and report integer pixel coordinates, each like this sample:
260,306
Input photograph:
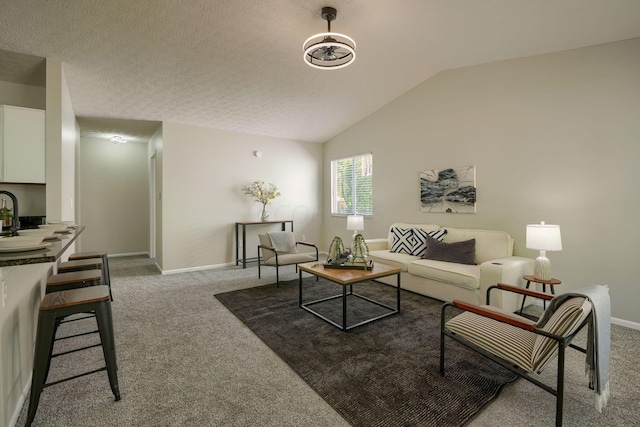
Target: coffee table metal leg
299,288
344,308
398,297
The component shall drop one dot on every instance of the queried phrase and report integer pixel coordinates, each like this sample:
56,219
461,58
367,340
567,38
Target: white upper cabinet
22,145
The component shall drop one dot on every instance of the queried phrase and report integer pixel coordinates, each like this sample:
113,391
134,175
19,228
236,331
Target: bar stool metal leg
56,306
41,361
104,318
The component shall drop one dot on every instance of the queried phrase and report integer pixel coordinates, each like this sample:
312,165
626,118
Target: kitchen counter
48,254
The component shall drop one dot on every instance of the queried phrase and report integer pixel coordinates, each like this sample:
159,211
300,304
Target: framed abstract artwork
448,190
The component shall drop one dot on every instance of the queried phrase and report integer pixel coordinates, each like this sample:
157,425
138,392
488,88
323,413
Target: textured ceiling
237,65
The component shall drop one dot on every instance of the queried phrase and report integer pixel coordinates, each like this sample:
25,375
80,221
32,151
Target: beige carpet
185,360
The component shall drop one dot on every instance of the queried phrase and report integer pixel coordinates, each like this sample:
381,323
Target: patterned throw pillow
420,239
402,240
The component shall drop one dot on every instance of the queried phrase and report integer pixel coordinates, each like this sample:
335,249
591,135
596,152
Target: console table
244,225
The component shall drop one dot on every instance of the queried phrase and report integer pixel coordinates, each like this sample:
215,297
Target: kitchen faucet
15,222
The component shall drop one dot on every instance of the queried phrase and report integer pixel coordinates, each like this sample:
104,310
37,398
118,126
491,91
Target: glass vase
264,215
359,249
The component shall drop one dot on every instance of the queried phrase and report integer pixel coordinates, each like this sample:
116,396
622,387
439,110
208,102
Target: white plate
37,232
26,248
20,241
67,223
55,228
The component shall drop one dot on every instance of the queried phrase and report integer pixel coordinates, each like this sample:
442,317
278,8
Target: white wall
62,139
154,154
202,175
114,196
31,198
553,137
18,319
22,95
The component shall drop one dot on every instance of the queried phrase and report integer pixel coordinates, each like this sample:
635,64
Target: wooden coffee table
347,278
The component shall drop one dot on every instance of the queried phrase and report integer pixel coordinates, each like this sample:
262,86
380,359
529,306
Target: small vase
336,249
264,216
359,249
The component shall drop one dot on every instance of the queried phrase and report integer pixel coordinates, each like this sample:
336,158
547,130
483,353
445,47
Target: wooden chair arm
266,247
307,244
525,292
511,319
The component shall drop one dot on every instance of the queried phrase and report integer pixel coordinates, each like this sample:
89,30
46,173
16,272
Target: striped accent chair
516,342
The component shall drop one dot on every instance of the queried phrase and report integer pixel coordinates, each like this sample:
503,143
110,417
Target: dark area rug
384,373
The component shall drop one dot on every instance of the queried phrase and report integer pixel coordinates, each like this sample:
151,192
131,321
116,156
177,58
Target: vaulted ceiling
237,65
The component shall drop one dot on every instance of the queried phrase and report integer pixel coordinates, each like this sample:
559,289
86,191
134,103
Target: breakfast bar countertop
48,254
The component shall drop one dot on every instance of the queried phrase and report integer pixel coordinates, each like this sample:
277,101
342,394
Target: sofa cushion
291,258
490,244
462,275
420,239
403,240
459,252
400,260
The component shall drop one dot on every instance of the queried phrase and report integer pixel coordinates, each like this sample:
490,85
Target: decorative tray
349,266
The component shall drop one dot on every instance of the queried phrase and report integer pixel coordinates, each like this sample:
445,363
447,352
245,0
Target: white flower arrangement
262,193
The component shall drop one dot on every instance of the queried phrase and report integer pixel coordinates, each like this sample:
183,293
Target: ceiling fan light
335,36
329,51
117,139
315,46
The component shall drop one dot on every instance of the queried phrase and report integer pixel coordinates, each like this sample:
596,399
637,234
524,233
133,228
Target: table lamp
355,223
544,237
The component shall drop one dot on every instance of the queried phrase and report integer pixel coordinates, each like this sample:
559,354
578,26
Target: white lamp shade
355,222
544,237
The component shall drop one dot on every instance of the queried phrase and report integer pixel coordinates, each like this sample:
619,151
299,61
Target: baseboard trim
23,397
128,254
625,323
190,269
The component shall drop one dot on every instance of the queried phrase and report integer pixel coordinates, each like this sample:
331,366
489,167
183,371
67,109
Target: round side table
551,282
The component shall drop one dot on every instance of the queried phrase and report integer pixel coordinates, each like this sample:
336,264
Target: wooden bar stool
74,280
80,264
55,306
105,264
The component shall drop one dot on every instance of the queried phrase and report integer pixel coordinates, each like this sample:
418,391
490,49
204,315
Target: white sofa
447,281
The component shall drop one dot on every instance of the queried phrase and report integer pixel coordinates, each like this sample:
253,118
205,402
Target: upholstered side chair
280,248
522,345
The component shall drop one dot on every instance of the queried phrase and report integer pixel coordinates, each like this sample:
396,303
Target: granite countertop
50,253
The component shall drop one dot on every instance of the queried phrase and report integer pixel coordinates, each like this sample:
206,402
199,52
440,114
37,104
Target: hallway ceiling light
329,51
117,139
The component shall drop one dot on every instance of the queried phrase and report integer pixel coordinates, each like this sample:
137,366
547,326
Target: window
352,185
